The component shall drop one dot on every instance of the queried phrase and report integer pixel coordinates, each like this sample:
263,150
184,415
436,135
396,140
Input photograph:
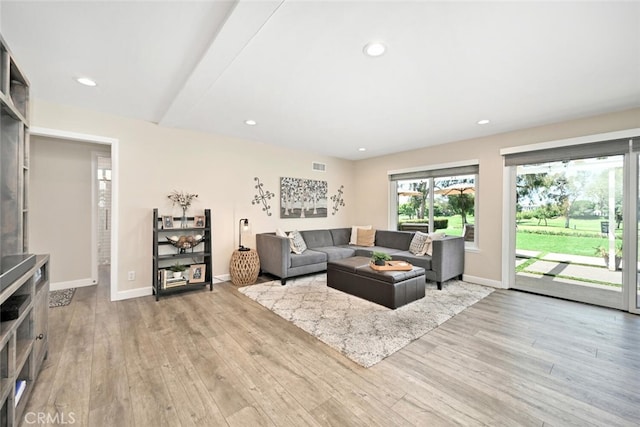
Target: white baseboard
222,278
483,281
132,293
72,284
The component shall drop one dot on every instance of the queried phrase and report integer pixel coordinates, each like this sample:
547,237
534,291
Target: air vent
319,167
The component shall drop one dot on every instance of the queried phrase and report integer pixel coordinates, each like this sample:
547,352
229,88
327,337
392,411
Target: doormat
61,298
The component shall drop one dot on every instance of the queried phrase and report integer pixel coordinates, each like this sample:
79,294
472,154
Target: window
442,199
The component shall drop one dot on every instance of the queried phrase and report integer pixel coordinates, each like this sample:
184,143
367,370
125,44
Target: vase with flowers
184,200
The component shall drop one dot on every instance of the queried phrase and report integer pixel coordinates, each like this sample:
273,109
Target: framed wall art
303,198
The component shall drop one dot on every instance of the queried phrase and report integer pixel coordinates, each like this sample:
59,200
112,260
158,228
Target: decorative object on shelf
337,200
167,222
392,266
243,226
177,269
184,200
380,258
303,198
262,197
185,242
244,267
198,221
197,273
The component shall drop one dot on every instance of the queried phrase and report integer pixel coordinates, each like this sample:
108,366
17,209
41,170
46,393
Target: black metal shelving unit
165,254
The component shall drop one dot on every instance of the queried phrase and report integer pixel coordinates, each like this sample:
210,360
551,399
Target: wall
154,160
485,263
60,207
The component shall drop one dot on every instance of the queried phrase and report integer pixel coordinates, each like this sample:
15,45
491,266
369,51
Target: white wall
60,206
154,160
372,206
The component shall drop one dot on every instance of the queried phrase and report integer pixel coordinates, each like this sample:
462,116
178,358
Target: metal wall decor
337,200
262,197
303,198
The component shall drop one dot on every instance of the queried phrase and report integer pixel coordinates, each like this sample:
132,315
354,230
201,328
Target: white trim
115,182
630,275
72,136
79,283
461,163
483,281
508,227
132,293
222,278
587,139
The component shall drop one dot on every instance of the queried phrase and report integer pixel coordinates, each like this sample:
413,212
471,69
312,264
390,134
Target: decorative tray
392,265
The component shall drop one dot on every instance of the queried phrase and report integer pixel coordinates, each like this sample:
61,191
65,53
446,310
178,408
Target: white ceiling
297,67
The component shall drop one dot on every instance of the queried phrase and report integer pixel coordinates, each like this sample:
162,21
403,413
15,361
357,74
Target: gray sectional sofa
326,245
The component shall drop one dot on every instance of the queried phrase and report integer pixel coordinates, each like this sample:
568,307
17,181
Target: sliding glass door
569,229
572,214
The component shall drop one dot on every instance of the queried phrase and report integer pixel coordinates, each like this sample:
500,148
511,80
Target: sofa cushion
428,248
366,237
423,261
340,236
354,233
309,257
298,245
335,253
394,239
317,238
368,251
418,243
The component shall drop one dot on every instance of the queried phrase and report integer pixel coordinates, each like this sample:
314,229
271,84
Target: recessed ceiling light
250,122
483,122
374,49
362,149
86,81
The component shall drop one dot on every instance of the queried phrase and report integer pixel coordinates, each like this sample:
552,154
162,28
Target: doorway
571,219
109,145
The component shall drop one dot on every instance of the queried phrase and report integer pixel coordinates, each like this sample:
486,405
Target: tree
407,209
462,204
420,202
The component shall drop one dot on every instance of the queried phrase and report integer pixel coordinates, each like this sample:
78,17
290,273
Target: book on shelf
20,386
175,283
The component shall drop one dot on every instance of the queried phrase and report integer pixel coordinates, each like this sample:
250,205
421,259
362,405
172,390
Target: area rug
61,298
361,330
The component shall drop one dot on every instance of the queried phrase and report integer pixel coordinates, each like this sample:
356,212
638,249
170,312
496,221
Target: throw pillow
297,242
418,243
354,233
366,237
280,233
430,239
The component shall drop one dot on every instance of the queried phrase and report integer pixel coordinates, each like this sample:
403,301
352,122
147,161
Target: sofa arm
448,258
275,253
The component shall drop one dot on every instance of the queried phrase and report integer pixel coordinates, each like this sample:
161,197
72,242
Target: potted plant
177,269
379,258
604,253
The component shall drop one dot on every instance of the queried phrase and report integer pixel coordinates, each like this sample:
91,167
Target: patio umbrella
457,190
409,193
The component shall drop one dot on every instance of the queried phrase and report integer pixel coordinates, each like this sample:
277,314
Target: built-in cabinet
24,278
14,155
24,328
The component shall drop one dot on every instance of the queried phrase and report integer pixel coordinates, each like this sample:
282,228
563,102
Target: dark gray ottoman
392,289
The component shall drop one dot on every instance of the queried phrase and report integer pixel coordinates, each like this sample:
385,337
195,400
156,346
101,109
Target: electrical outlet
131,275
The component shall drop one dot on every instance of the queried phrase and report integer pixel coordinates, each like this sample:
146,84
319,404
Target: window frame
430,173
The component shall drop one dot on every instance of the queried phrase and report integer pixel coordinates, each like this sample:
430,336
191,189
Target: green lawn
581,238
573,245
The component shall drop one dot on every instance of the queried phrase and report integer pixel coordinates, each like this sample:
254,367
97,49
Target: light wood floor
218,358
